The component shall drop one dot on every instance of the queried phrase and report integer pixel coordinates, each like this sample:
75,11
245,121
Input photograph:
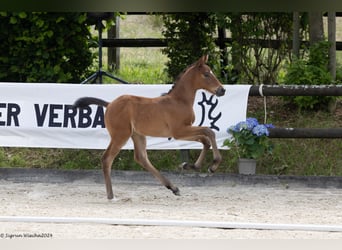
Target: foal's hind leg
107,161
140,156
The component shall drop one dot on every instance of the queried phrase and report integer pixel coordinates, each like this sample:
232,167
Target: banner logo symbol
208,106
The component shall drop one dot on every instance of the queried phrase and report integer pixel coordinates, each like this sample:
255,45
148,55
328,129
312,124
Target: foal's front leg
216,153
206,146
207,137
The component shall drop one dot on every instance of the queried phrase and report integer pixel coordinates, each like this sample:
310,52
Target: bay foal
170,115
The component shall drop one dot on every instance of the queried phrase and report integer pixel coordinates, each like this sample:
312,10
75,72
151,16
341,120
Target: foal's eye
206,74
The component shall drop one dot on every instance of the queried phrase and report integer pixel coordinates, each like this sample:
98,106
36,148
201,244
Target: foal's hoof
188,166
176,192
113,200
210,171
184,166
110,197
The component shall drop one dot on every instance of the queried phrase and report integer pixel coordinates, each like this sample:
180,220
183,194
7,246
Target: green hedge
44,47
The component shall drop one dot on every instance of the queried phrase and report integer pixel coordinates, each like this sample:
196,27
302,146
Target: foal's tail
86,101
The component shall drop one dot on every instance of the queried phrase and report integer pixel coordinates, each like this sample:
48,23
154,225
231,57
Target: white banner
41,115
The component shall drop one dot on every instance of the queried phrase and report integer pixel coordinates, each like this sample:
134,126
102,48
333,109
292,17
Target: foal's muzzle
220,91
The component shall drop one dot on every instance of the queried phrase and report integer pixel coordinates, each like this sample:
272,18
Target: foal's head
204,78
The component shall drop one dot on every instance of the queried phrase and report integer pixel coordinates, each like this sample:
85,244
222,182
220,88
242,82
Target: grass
141,65
291,156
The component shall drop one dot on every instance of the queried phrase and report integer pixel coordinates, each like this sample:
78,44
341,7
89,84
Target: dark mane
179,77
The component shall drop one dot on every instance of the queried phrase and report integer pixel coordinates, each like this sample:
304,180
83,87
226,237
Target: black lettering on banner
2,105
13,111
63,115
99,118
40,114
69,116
54,115
84,119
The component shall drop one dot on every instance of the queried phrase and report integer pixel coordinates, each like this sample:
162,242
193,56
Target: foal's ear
203,60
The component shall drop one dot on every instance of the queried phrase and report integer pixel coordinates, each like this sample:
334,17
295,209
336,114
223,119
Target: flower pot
247,166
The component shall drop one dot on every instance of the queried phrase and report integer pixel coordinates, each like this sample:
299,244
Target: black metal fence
300,90
158,42
296,90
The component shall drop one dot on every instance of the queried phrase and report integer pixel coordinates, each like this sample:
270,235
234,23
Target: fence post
114,53
332,40
184,155
223,49
296,34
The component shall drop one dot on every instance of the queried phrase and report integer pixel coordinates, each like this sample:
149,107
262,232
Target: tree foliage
189,36
311,70
253,56
44,47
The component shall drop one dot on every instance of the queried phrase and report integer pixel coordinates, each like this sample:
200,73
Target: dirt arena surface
50,194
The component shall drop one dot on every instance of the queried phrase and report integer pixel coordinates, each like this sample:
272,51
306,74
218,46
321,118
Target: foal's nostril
220,91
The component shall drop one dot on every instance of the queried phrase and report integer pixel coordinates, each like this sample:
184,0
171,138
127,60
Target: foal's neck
184,91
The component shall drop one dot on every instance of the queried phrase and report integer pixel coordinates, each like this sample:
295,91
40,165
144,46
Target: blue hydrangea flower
251,123
260,130
240,126
249,138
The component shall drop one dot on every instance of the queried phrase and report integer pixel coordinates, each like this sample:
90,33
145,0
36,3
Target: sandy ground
225,203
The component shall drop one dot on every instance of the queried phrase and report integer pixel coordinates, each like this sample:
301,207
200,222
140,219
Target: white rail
175,223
